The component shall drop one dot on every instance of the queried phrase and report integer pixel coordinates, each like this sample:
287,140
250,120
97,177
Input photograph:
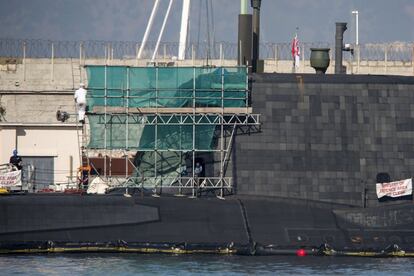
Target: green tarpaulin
123,86
161,146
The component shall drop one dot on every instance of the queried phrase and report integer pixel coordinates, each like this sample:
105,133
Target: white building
31,96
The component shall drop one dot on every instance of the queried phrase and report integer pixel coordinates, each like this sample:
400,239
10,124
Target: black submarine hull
236,225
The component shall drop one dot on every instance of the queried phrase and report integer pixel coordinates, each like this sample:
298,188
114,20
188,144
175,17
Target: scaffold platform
164,122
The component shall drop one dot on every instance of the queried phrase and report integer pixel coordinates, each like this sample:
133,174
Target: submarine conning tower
326,138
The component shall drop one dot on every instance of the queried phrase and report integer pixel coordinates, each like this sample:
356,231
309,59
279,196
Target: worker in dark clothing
16,160
198,170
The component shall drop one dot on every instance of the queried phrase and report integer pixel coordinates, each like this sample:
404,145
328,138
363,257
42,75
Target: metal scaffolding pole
181,164
127,123
227,124
188,119
105,121
194,130
222,132
246,97
156,128
229,147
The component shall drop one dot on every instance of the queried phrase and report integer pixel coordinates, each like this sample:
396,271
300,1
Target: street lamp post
356,27
357,38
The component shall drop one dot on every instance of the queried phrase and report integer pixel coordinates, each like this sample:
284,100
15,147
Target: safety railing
172,182
38,48
7,167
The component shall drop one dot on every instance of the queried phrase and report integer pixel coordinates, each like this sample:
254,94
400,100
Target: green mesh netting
131,133
121,86
120,134
171,141
152,164
166,86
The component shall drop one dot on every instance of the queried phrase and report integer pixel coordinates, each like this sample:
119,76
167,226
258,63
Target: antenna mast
162,30
148,29
184,29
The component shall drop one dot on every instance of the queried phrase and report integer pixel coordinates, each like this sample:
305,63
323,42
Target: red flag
295,47
295,51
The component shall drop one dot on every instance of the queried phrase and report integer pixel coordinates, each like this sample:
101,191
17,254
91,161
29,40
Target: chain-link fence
37,48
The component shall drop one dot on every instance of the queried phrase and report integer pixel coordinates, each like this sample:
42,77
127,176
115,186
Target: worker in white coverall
80,100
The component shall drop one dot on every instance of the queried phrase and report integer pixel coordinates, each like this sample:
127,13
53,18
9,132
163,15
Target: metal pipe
243,6
339,45
244,49
256,4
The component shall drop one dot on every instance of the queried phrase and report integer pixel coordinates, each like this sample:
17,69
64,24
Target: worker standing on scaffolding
83,180
80,101
16,160
198,171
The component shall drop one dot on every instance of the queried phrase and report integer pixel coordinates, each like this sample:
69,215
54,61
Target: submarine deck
236,225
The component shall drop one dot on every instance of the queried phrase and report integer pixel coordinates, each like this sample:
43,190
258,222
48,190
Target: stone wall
55,80
326,137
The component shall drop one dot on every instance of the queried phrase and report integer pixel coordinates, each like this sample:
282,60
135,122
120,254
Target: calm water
133,264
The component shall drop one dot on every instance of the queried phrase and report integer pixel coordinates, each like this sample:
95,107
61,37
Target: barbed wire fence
39,48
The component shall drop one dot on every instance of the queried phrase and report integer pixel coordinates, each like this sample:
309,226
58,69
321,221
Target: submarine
301,180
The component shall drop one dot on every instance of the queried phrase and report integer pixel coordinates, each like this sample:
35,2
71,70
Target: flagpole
297,57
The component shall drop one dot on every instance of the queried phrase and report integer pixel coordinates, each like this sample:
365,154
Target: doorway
41,174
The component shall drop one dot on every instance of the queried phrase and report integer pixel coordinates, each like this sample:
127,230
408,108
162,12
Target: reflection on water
133,264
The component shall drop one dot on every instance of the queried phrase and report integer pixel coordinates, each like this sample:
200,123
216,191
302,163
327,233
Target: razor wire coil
40,48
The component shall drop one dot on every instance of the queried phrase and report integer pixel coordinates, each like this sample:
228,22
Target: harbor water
141,264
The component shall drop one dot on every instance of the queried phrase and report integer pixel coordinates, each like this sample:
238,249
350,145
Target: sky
126,20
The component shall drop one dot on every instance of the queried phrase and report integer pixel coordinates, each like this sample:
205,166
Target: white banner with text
11,179
395,189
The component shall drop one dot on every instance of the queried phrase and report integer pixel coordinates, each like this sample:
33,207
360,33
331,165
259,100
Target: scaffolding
166,118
